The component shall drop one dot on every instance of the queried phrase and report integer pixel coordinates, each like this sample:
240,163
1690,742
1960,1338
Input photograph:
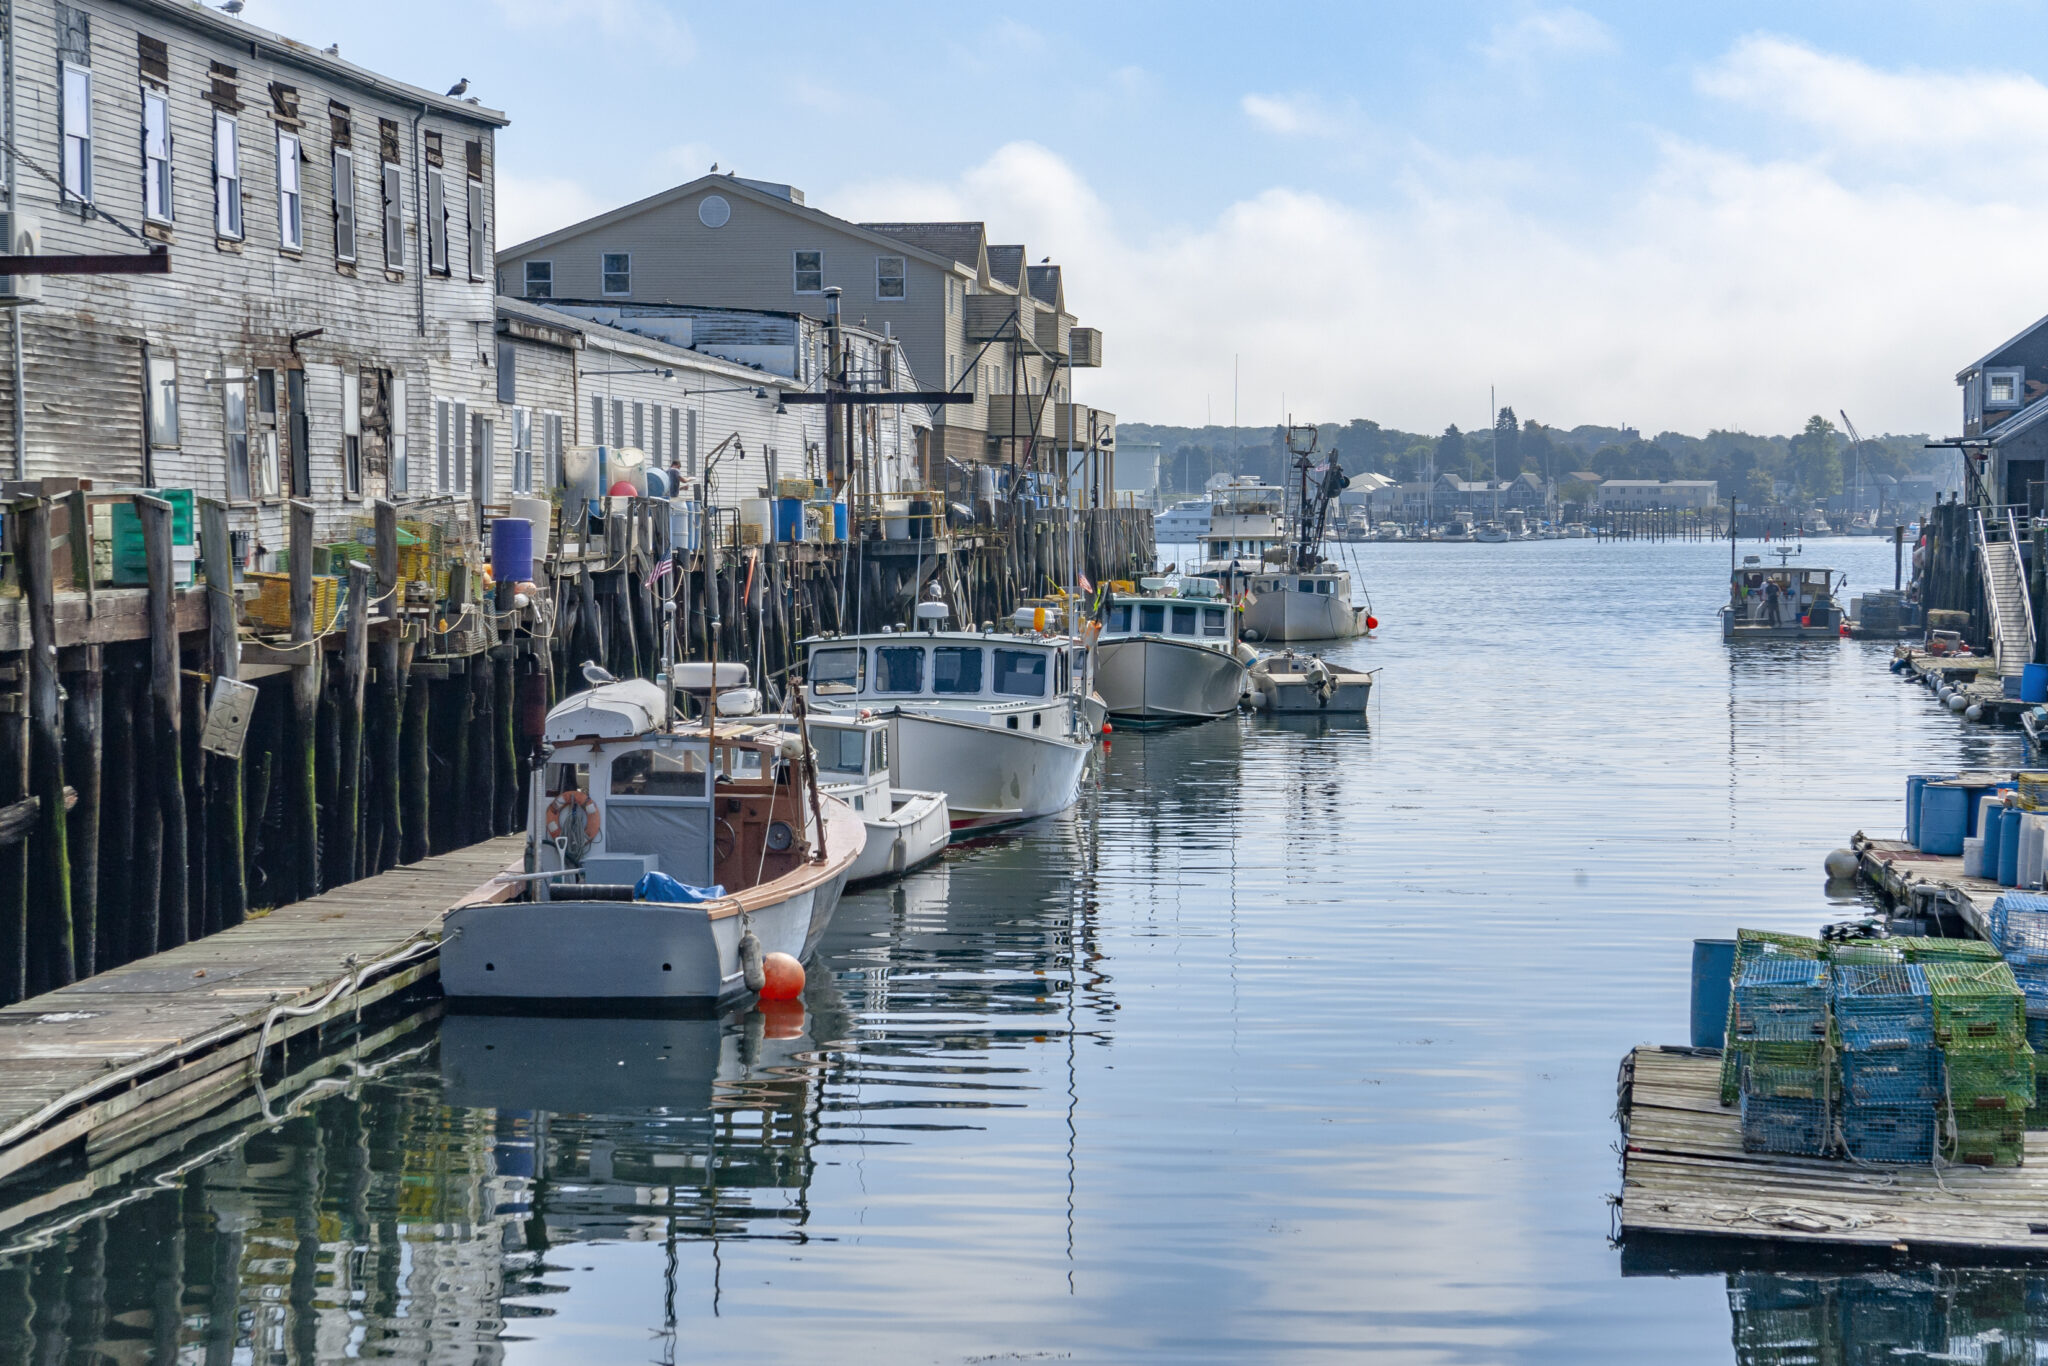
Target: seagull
714,167
231,6
1046,261
595,674
461,87
332,49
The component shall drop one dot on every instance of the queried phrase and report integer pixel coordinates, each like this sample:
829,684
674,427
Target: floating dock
117,1059
1926,884
1684,1173
1975,676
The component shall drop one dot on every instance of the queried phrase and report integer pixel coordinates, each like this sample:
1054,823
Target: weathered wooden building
329,300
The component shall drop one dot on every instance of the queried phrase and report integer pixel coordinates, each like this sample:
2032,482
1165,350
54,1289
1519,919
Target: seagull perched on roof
714,166
595,674
231,6
461,87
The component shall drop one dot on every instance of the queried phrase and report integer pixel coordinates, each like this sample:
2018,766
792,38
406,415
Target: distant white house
1629,494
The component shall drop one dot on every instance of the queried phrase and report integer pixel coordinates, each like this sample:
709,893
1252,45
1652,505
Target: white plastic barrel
1973,857
2033,839
542,514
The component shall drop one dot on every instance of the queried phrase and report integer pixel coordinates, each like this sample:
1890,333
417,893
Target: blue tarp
662,887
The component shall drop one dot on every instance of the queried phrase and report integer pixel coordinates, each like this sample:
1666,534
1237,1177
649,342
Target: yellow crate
796,488
2033,791
272,605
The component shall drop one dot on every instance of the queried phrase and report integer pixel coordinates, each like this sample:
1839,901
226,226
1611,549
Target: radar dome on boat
739,702
611,711
933,611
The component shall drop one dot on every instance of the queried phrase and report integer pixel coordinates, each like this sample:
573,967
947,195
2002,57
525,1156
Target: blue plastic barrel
1914,786
512,550
2009,847
1944,816
1991,820
2034,683
657,484
1713,963
789,519
839,521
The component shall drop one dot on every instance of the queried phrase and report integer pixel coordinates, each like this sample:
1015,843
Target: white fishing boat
1168,652
1493,533
1388,531
1296,681
1457,529
1575,530
1184,523
1298,594
1246,519
1002,723
667,859
905,828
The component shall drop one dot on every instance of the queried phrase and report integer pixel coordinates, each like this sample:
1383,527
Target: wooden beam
127,263
50,943
847,398
301,788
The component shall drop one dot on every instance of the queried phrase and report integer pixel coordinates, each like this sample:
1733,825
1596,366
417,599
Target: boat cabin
1778,595
624,794
1189,609
946,666
1320,583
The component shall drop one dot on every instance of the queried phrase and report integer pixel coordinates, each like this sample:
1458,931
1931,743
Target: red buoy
1372,623
1105,728
624,489
784,978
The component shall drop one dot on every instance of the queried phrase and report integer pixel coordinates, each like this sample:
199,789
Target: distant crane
1856,443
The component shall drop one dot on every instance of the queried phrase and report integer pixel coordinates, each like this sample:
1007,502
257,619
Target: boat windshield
839,749
899,668
1214,622
841,669
956,670
658,773
1184,619
1152,617
1021,673
1120,617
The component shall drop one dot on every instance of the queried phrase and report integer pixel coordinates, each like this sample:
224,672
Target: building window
352,435
618,422
483,454
508,373
596,420
540,279
156,157
437,222
810,272
639,427
300,415
618,273
690,455
522,450
291,222
267,474
344,205
161,374
394,217
551,426
2004,388
77,118
227,177
401,467
890,282
235,424
476,230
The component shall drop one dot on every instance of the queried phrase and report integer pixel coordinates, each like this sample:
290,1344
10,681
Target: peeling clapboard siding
238,305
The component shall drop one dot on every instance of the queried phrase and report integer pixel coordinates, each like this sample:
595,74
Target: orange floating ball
784,978
1372,623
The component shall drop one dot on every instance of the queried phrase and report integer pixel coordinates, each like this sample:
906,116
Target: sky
1679,217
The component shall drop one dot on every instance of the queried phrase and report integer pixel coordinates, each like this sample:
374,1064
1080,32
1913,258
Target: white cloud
1720,289
1893,114
1563,32
530,206
646,25
1292,115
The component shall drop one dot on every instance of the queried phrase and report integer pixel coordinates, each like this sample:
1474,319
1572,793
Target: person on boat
1771,602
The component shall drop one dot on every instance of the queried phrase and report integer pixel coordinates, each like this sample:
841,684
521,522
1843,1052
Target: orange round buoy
1105,727
782,1019
784,978
1372,623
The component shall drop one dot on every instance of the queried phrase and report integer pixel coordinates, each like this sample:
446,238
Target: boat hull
1301,616
1144,678
1734,632
991,775
915,831
1290,693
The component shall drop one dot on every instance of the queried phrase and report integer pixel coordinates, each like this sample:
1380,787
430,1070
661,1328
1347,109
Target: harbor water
1295,1041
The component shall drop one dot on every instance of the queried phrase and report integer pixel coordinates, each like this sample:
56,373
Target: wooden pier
1684,1172
1975,676
1926,884
116,1059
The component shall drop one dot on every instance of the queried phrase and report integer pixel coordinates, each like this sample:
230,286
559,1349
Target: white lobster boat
1308,604
906,828
999,722
732,811
1169,653
1296,681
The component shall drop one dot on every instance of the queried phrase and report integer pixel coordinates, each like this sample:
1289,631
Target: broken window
227,176
156,157
291,224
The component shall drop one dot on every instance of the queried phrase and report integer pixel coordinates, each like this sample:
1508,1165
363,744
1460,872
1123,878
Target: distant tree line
1811,464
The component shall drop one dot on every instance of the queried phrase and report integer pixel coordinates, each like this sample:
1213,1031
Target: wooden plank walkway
117,1058
1684,1172
1924,882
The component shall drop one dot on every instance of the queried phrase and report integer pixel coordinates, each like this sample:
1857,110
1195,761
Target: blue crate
1795,1127
1781,998
2037,1032
2018,925
1889,1133
1892,1077
1883,1006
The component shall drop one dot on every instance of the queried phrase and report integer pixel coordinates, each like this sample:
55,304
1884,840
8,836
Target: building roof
962,242
263,44
724,184
636,343
1006,265
1583,476
1046,285
1987,357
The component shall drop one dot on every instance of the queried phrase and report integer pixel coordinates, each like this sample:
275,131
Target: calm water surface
1295,1041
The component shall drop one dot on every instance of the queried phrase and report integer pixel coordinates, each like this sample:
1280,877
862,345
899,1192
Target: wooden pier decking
1925,883
1684,1172
119,1057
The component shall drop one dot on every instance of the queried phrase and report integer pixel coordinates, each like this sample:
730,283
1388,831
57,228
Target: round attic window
713,211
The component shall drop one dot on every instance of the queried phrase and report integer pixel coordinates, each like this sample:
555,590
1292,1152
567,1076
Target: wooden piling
300,768
355,669
167,762
84,700
385,822
225,843
118,789
51,951
415,780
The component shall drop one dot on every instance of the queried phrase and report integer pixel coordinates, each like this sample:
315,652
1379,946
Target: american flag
663,568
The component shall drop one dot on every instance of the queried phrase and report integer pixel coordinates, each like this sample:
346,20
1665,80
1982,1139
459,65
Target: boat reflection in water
1914,1315
404,1213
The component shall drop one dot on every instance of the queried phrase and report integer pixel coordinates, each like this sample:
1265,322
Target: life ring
592,821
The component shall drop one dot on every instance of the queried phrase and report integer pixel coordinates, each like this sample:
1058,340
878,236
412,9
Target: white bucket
541,513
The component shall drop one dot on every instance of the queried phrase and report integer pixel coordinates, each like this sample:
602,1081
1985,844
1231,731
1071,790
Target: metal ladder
2005,592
